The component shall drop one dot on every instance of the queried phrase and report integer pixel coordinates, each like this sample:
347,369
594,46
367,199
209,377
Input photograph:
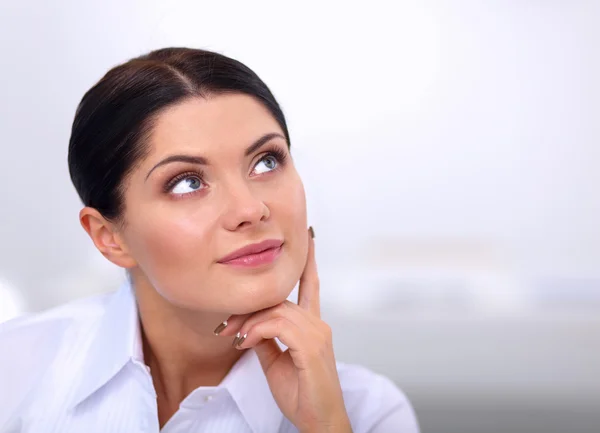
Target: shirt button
208,398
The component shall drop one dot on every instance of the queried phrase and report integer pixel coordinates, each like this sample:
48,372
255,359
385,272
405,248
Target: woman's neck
181,349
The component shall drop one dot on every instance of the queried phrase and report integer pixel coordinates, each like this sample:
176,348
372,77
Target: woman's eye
268,163
187,185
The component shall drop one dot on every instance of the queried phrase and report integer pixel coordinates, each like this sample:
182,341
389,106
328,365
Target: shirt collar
248,386
118,341
113,344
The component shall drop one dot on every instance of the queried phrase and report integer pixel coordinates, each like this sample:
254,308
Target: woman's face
218,177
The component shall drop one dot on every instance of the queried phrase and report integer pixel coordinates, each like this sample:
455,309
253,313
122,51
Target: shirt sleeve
401,419
25,354
374,403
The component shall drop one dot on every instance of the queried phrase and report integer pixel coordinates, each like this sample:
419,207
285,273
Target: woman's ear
105,237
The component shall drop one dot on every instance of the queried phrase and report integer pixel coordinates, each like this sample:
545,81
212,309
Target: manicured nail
312,232
235,340
220,328
241,340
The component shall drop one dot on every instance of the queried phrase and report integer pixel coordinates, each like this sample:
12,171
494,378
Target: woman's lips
254,255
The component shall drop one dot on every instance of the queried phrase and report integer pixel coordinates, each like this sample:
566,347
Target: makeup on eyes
272,151
197,174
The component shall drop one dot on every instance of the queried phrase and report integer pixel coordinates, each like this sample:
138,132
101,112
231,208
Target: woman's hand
303,379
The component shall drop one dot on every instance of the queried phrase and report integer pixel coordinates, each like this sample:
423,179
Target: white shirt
79,368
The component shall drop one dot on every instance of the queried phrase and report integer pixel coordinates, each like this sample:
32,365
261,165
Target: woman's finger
267,351
281,328
231,325
305,347
309,290
238,325
286,309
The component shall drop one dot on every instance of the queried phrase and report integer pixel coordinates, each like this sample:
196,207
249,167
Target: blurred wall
450,153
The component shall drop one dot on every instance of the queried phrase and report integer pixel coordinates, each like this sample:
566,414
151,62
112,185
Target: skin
171,241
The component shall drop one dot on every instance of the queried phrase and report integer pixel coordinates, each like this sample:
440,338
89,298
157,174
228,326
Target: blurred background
451,156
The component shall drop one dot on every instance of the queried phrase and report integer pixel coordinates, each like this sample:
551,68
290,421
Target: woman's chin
254,294
259,301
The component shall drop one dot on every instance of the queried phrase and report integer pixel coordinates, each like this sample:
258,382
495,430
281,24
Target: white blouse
79,368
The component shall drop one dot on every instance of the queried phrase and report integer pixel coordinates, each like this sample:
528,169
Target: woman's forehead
212,123
215,129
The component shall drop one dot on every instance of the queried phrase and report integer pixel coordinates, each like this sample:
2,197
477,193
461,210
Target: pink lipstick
254,255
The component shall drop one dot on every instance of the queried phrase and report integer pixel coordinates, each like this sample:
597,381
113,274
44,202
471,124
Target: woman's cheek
295,199
172,241
296,225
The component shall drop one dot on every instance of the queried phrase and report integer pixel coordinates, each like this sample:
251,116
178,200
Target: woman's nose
243,208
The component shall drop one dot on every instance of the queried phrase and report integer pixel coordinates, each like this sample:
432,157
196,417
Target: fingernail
241,340
235,340
220,328
312,232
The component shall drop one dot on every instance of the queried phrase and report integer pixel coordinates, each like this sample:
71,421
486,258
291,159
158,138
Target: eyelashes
275,152
171,184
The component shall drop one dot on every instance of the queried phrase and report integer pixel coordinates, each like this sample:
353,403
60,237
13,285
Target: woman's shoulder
374,402
31,344
30,338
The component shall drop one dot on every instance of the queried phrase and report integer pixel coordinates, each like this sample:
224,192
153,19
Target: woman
181,158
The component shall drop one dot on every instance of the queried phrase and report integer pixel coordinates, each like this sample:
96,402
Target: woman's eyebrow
261,141
203,161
